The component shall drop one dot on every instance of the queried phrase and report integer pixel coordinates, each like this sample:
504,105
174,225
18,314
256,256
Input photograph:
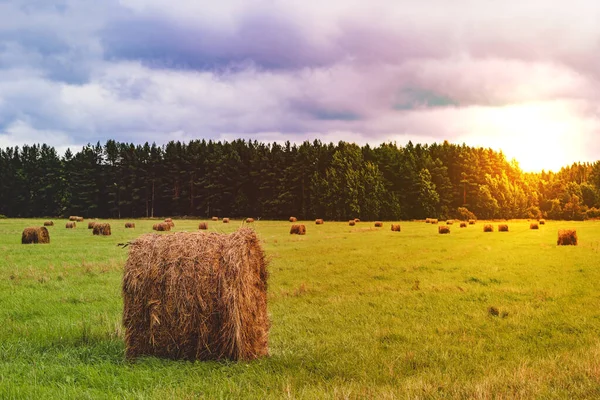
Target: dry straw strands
378,224
70,225
196,296
351,222
225,220
463,224
502,228
249,220
162,226
91,224
542,222
298,230
488,228
101,229
567,237
215,218
471,222
48,223
443,229
534,225
35,235
203,226
319,221
395,227
293,219
129,225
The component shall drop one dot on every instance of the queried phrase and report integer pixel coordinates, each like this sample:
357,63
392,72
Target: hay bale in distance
471,222
91,224
378,224
356,220
433,221
168,219
48,223
450,222
351,222
488,228
542,222
293,219
70,225
79,219
442,229
225,220
463,224
319,221
203,226
129,225
73,218
101,229
35,235
249,220
427,220
162,227
534,225
196,296
298,230
502,228
395,227
215,218
567,237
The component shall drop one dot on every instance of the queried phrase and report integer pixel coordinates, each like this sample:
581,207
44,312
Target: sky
518,76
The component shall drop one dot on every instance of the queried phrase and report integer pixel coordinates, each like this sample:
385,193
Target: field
357,312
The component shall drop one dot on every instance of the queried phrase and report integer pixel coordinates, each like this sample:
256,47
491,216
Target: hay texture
442,229
91,224
319,221
534,225
101,229
48,223
71,225
249,220
293,219
203,226
395,227
463,224
488,228
35,235
567,237
542,222
129,225
162,226
298,230
225,220
196,296
471,222
502,228
215,218
351,222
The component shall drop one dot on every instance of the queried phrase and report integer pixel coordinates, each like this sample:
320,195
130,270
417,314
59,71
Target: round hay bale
319,221
395,227
203,226
433,221
450,222
502,228
73,218
293,219
463,224
471,222
298,230
356,220
35,235
225,220
534,225
91,224
427,220
129,225
442,229
249,220
196,296
567,237
351,222
79,219
101,229
162,227
215,218
48,223
70,225
488,228
168,219
378,224
542,222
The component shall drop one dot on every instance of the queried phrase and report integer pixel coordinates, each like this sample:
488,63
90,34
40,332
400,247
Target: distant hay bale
534,225
225,220
433,221
471,222
91,224
249,220
79,219
378,224
73,218
463,224
427,220
170,222
196,296
162,227
168,219
450,222
351,222
35,235
488,228
542,222
298,230
129,225
101,229
70,225
567,237
356,220
319,221
293,219
48,223
203,226
502,228
442,229
395,227
215,218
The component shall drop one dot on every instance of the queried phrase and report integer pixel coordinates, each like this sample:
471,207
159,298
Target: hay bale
502,228
298,230
168,219
101,229
91,224
196,296
215,218
433,221
225,220
567,237
319,221
203,226
356,220
378,224
79,219
70,225
463,224
442,229
534,225
129,225
542,222
162,226
427,220
293,219
35,235
48,223
395,227
471,222
488,228
170,222
450,222
351,222
249,220
73,218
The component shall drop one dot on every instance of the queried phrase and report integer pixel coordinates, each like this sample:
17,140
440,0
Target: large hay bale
249,220
203,226
567,237
450,222
48,223
102,229
488,228
129,225
542,222
225,220
161,226
502,228
298,230
395,227
378,224
293,219
73,218
91,224
35,235
471,222
215,218
319,221
79,219
70,225
433,221
196,296
442,229
463,224
351,222
534,225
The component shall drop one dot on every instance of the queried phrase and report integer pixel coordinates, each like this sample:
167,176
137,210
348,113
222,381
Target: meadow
356,312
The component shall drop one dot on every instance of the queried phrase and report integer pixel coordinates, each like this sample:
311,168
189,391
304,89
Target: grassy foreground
357,312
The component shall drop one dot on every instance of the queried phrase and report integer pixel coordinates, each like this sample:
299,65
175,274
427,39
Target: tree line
273,181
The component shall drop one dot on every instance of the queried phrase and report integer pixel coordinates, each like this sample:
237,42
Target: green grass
357,312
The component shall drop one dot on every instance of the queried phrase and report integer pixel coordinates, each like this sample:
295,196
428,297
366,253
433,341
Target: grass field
357,312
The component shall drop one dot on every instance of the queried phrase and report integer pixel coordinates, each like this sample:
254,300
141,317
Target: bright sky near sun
521,77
